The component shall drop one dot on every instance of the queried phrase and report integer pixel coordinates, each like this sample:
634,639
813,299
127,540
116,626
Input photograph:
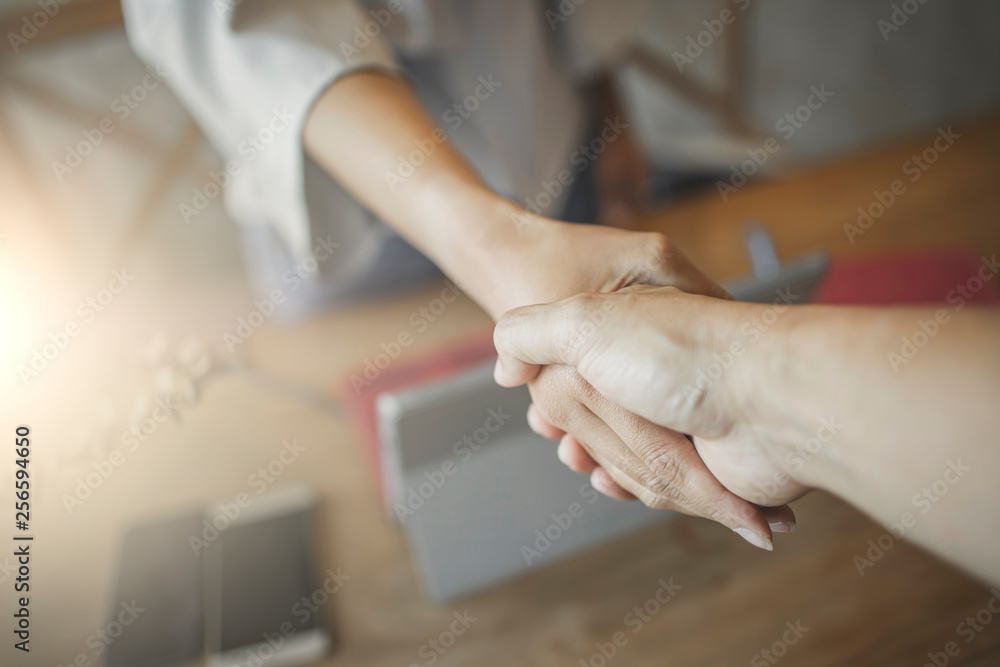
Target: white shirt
249,71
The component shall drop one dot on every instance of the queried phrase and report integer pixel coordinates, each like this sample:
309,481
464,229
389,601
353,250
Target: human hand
638,458
539,260
653,351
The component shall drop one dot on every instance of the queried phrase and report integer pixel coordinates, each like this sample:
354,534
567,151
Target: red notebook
912,278
438,364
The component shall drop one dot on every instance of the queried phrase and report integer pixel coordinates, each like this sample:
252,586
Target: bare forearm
364,130
895,411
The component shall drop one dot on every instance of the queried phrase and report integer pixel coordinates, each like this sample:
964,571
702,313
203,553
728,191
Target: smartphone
156,615
262,584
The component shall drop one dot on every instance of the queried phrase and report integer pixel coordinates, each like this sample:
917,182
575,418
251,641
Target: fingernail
782,526
755,539
498,371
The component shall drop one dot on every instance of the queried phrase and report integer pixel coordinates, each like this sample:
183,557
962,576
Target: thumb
534,336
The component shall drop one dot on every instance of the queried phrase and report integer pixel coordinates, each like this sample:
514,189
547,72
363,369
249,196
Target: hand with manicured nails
620,443
635,355
818,400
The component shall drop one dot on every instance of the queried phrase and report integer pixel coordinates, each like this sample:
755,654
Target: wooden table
735,601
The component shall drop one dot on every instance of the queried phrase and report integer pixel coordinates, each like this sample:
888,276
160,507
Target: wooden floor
734,602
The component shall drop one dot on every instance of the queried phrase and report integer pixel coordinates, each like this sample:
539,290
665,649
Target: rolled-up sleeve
249,72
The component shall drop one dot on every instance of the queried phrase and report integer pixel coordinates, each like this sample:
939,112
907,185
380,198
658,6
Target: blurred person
893,410
325,114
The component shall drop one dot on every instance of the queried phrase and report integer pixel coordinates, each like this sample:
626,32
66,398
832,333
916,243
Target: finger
780,519
541,425
534,336
513,372
603,483
574,456
602,443
635,475
677,475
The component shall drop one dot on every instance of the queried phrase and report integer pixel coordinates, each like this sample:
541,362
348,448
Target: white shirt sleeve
249,72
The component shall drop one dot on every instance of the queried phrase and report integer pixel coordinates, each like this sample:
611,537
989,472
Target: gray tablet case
480,496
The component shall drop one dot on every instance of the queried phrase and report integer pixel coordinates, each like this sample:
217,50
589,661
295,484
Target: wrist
487,251
781,403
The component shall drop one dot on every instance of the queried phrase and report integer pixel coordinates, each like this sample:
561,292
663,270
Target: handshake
647,376
662,388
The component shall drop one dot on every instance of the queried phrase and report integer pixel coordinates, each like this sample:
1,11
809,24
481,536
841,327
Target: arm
365,125
916,443
804,397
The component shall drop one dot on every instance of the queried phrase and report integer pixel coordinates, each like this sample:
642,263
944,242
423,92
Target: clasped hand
620,336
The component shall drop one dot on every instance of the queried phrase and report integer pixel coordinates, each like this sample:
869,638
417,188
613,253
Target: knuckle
717,509
659,245
660,253
577,307
664,475
653,500
578,313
